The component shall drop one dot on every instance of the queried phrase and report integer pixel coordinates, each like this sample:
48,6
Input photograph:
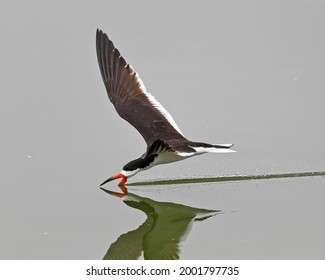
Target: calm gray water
229,72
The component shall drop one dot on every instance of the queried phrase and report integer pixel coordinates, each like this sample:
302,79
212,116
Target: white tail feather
202,150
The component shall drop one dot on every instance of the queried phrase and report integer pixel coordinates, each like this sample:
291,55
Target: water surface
227,74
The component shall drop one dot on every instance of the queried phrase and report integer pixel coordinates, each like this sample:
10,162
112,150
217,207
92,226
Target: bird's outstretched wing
130,97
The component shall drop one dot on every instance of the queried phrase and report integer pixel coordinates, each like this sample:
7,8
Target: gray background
244,72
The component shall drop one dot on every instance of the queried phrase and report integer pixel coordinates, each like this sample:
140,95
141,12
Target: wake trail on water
227,178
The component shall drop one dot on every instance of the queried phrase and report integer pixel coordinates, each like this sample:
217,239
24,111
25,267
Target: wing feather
129,96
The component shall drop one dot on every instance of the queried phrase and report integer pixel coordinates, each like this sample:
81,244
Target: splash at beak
117,176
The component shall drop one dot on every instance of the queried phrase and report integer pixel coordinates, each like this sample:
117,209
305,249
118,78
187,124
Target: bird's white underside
168,157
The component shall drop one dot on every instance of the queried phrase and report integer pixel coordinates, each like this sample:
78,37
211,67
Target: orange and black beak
121,183
117,176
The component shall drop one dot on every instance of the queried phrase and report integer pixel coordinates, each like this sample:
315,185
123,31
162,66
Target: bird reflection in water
159,237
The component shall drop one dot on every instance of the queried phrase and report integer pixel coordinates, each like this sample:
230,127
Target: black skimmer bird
165,141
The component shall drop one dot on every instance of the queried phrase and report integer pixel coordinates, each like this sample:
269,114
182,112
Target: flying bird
165,141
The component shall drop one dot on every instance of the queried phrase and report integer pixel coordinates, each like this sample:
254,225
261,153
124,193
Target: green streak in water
227,178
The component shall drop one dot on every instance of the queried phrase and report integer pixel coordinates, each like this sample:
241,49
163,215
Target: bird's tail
209,148
222,148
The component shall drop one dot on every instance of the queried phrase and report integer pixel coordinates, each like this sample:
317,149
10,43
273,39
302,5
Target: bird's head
132,168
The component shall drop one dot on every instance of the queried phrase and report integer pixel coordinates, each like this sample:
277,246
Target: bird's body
165,141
